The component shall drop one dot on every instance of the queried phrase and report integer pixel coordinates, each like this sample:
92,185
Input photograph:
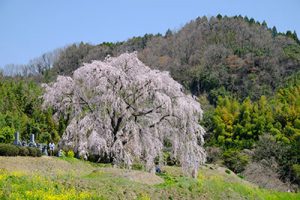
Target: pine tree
274,31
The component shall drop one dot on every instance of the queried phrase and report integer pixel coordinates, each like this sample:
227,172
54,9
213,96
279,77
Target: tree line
20,110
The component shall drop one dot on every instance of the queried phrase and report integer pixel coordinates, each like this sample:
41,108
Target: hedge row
12,150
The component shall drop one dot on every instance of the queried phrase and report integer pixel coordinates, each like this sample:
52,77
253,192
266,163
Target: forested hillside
215,55
245,74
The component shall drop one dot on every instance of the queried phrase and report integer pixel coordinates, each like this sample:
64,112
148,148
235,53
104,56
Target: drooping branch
132,109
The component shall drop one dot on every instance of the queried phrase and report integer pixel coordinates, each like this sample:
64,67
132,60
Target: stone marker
32,142
17,139
45,150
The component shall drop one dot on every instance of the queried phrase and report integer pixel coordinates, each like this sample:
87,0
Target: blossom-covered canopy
123,110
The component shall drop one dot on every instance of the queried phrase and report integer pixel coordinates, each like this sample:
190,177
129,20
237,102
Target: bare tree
42,63
13,69
123,110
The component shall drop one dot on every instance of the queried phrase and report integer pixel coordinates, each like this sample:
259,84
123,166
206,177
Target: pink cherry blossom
122,110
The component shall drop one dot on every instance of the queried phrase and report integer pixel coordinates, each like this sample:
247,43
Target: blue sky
29,28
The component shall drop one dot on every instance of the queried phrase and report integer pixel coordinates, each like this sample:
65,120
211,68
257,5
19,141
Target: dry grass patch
45,165
52,166
132,175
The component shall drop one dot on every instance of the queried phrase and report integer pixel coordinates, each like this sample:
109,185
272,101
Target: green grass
218,188
91,181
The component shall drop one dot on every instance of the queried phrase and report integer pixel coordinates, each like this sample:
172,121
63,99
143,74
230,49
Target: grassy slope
53,178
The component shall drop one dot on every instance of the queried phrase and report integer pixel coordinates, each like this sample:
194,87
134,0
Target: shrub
264,175
6,134
8,150
93,158
32,151
213,154
241,176
38,152
23,151
169,160
137,166
270,151
70,154
235,160
296,172
61,153
266,148
98,159
55,152
45,137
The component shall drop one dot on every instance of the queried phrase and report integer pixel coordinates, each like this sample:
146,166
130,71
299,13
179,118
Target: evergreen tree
274,31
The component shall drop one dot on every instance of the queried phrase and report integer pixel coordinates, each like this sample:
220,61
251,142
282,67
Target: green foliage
274,31
268,148
7,134
23,151
269,125
138,166
8,150
213,154
110,183
235,160
32,151
296,171
241,176
214,94
55,152
61,153
276,153
38,152
20,110
21,186
233,69
44,137
70,154
293,36
12,150
168,159
245,66
292,51
239,124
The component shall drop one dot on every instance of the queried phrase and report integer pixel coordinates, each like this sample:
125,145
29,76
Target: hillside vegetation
245,74
20,110
244,57
54,178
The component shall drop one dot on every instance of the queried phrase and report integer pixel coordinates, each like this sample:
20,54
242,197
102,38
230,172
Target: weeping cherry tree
122,110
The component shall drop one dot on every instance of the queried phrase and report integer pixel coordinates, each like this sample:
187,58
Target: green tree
7,134
274,31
